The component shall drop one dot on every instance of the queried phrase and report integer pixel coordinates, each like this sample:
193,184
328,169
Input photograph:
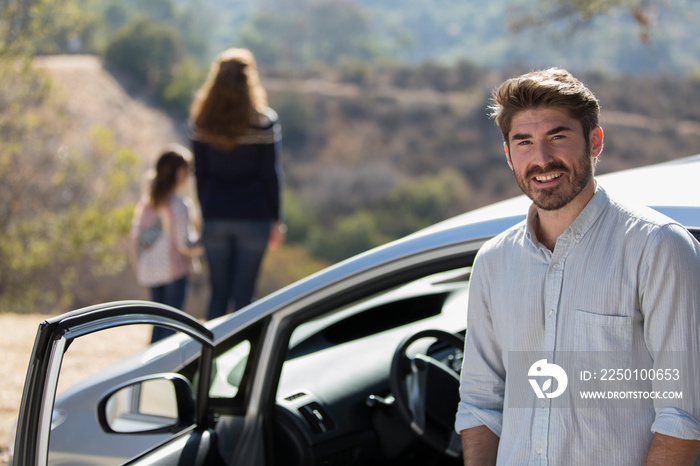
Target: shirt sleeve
272,173
134,235
670,304
199,151
181,224
192,234
482,386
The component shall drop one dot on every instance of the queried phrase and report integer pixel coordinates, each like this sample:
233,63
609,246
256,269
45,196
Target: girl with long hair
236,141
163,236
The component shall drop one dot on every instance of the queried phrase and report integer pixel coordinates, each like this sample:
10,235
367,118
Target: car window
430,297
696,234
91,367
228,370
90,354
232,367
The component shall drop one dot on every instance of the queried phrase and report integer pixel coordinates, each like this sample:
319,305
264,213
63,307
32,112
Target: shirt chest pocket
601,332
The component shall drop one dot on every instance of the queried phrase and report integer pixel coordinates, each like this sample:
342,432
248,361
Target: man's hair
553,87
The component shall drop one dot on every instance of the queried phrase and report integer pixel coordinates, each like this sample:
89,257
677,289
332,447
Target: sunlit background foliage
382,111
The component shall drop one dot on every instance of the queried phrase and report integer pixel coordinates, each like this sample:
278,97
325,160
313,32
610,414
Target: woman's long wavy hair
227,101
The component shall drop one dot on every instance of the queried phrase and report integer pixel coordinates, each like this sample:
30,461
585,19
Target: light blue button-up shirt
618,280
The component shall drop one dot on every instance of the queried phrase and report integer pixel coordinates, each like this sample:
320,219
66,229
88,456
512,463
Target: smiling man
583,274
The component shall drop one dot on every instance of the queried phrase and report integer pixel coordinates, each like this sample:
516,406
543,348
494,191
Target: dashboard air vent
317,418
295,396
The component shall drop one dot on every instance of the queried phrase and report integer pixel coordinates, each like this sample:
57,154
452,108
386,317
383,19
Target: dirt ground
87,356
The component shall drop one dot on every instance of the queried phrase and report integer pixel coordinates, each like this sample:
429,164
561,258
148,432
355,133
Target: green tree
61,209
195,22
116,15
579,12
147,51
420,202
261,36
352,235
640,10
160,10
178,93
297,217
27,26
304,32
337,29
285,266
297,114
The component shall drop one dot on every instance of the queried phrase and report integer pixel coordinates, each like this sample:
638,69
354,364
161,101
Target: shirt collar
580,226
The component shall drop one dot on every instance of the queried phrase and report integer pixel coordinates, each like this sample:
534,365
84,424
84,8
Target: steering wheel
427,392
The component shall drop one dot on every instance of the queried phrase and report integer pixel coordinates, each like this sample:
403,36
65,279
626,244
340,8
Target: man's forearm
665,450
480,446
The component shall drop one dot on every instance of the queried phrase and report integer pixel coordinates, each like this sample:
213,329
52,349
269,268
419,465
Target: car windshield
439,296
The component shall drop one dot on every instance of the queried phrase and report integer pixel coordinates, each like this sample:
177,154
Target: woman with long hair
163,236
236,141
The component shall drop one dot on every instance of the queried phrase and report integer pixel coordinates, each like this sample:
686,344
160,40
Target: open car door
192,441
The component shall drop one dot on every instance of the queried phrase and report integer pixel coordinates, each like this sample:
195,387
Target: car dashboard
334,404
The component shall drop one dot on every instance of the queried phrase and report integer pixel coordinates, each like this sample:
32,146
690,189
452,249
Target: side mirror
159,403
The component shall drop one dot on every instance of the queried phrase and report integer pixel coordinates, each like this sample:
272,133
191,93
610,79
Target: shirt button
578,235
551,313
539,451
556,265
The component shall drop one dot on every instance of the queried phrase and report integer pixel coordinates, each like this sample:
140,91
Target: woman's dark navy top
243,183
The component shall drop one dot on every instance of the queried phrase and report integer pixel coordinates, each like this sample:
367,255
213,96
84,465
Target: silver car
357,364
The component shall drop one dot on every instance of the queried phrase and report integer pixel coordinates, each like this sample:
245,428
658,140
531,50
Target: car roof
670,187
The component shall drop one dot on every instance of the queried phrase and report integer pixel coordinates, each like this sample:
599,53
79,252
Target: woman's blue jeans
172,294
234,249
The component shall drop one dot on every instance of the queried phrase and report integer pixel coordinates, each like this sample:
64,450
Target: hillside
95,97
382,130
371,154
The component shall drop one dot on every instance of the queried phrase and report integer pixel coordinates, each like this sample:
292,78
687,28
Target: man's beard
559,196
